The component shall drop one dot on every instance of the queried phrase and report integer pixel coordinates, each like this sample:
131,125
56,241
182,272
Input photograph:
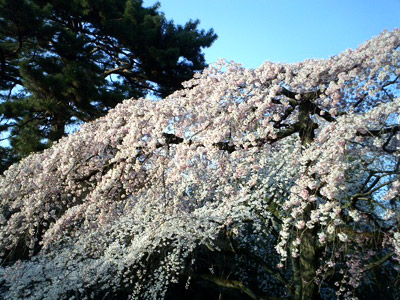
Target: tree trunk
57,128
306,265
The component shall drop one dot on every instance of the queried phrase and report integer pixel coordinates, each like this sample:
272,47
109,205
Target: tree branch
276,274
119,70
171,139
377,132
236,284
308,96
378,262
246,253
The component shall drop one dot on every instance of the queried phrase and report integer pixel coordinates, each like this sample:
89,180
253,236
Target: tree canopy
63,62
280,182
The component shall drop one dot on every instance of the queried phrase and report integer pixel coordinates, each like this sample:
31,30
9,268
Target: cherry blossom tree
280,182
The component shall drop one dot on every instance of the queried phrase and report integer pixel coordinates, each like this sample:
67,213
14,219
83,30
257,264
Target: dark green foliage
67,61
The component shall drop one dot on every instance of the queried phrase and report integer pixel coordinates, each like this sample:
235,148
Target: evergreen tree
68,61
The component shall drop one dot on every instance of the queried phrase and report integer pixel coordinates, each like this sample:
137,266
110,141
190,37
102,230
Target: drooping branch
276,274
172,139
378,262
236,284
233,249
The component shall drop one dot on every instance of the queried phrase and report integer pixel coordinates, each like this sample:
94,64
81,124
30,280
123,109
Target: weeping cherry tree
280,182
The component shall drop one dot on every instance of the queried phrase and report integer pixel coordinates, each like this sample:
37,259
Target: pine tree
63,62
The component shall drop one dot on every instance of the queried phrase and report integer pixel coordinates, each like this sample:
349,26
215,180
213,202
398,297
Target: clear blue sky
253,31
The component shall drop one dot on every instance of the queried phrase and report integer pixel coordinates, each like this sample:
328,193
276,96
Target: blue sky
254,31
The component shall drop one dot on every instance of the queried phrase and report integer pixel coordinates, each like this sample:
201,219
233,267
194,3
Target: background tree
275,183
63,62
